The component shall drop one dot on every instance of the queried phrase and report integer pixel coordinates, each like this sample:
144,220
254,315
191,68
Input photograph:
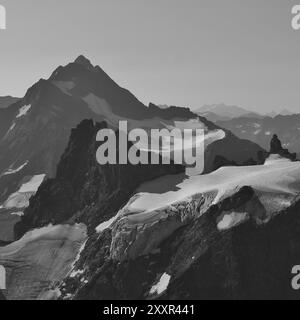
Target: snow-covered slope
276,175
149,217
40,259
13,207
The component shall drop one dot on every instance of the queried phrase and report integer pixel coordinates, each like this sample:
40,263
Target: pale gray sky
181,52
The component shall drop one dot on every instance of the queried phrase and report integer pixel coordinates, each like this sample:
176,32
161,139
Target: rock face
6,118
84,191
2,297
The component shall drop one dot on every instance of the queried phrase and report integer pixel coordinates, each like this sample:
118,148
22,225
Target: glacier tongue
150,218
277,175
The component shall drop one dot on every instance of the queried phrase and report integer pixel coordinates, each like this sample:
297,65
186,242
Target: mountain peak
82,60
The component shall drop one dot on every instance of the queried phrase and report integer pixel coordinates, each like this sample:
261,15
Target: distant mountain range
260,130
223,112
283,112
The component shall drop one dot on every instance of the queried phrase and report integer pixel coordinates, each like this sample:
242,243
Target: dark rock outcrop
275,144
84,191
276,148
2,297
222,162
247,262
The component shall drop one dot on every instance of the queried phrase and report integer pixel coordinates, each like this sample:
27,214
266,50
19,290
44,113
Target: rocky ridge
209,244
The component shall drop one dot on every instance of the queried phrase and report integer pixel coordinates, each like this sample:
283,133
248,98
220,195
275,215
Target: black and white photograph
149,152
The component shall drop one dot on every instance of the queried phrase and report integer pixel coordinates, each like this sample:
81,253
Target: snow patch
232,220
12,171
65,86
107,224
100,107
23,111
20,213
33,184
76,273
20,199
9,130
162,284
11,127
